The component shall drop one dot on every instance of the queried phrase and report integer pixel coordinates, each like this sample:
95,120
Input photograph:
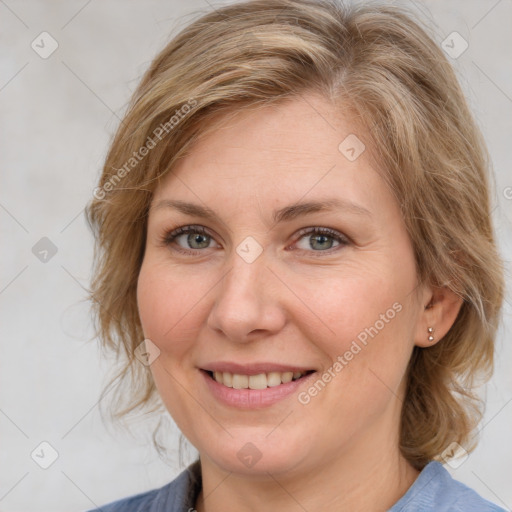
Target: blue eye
197,238
321,240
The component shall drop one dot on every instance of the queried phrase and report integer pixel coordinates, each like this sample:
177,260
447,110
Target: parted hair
379,62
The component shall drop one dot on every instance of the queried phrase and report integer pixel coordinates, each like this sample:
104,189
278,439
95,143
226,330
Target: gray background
57,117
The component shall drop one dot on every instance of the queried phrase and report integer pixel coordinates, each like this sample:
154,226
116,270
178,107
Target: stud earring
430,331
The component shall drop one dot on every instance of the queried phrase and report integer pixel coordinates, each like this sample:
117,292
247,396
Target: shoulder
435,489
178,495
143,502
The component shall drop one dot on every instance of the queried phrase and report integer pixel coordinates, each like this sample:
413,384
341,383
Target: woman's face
252,293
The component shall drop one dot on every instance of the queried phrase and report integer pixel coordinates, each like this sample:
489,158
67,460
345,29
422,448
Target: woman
294,217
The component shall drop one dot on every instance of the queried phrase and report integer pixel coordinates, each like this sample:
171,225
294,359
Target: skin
295,304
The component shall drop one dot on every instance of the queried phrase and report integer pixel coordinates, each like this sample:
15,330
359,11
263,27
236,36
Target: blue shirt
433,491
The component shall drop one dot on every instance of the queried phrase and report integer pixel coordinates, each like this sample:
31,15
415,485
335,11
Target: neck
351,482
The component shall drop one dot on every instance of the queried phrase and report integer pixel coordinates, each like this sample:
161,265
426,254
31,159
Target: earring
430,337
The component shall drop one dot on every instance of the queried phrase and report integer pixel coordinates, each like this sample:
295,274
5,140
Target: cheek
160,311
151,302
368,353
370,316
351,305
159,303
169,302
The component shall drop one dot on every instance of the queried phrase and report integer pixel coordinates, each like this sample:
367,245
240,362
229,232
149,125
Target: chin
255,453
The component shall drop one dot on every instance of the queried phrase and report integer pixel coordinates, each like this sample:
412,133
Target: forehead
275,155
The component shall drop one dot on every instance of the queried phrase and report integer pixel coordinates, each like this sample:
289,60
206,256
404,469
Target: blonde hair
378,61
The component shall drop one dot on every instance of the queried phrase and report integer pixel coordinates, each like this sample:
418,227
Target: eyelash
170,236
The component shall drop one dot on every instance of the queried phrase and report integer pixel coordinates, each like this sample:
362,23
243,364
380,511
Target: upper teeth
260,381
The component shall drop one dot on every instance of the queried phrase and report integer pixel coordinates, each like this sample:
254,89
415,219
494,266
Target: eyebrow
285,214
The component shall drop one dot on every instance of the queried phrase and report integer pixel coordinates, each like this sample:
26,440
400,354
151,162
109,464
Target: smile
256,391
259,381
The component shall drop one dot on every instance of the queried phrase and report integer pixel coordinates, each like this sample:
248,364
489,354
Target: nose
247,303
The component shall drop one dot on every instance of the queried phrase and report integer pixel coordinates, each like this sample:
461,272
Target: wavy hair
380,62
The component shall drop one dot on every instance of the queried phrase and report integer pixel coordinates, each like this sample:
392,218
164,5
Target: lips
250,387
258,381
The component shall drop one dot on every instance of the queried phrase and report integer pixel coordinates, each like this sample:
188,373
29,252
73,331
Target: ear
440,308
